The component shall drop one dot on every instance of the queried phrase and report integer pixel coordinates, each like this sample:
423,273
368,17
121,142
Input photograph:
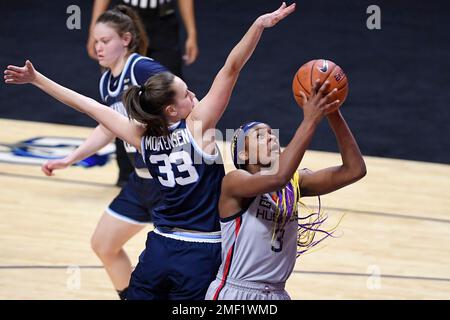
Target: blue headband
237,144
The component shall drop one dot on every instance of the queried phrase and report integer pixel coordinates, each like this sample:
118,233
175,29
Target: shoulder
147,64
237,173
229,204
144,68
233,177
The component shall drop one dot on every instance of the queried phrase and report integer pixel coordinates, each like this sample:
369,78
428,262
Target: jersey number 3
184,164
277,244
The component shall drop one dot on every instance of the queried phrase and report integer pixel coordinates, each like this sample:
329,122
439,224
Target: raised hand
319,104
20,75
270,19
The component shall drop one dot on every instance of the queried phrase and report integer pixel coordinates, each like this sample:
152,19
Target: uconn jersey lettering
191,188
136,71
265,211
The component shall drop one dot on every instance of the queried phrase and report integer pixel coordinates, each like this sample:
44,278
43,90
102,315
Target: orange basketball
323,70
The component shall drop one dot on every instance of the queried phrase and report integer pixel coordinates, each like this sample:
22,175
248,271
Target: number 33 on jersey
190,179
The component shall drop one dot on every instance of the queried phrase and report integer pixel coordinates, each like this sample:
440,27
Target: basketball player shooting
261,235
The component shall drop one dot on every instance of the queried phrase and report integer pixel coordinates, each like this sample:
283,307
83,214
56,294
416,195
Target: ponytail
146,103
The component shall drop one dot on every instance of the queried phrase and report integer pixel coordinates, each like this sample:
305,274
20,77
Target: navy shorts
135,202
170,269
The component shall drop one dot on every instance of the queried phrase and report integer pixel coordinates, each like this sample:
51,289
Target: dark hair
146,103
124,19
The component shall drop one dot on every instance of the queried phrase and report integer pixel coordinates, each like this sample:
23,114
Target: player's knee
95,244
103,249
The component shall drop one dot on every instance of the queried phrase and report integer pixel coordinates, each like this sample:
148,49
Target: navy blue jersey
190,180
136,71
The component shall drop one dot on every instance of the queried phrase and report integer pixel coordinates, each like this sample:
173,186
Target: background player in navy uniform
119,35
162,27
174,132
259,201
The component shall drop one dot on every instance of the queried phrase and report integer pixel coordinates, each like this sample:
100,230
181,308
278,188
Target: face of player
184,100
109,45
262,146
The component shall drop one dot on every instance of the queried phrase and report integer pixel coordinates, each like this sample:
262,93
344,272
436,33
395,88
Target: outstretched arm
211,107
120,125
330,179
98,139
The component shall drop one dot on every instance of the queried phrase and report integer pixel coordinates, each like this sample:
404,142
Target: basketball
324,70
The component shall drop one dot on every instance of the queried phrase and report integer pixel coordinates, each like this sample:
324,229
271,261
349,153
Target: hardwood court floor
394,239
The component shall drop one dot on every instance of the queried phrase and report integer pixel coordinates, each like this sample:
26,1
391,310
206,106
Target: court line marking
100,184
354,274
50,267
62,180
390,215
327,273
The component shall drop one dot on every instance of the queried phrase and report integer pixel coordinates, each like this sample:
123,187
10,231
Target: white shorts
246,290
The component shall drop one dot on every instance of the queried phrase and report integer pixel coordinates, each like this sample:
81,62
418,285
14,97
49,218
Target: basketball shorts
135,202
233,289
175,269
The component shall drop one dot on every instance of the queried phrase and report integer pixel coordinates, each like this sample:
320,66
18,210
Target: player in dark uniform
131,210
175,134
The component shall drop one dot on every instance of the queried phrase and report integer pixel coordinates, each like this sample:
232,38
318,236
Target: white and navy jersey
248,251
136,71
190,180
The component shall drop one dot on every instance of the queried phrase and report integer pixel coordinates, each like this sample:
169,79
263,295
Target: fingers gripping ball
324,70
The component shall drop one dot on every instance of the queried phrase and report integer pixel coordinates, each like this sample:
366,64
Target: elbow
231,70
359,171
232,66
362,169
353,172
